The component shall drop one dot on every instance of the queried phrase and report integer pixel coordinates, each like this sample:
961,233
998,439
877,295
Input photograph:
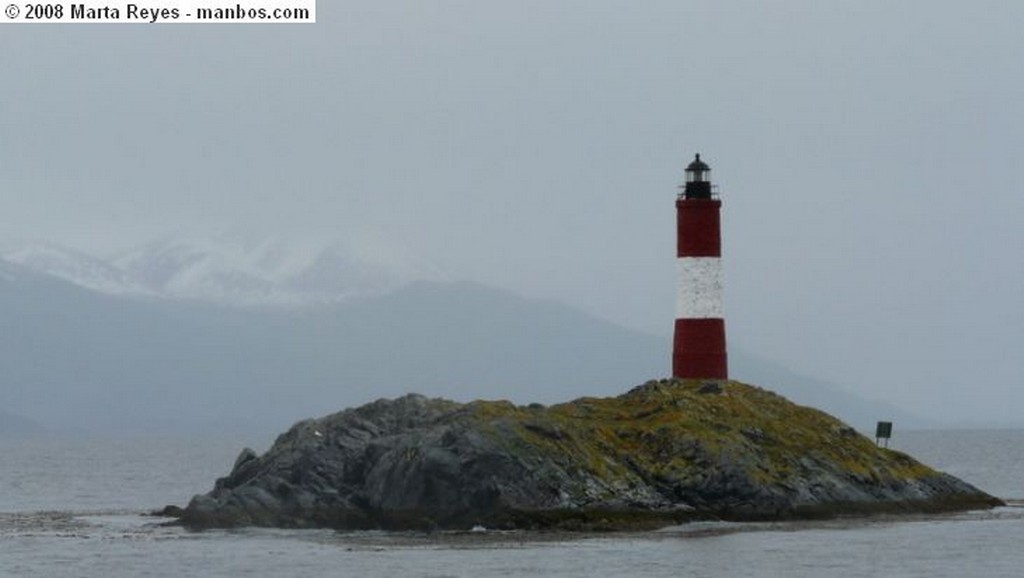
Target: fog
865,152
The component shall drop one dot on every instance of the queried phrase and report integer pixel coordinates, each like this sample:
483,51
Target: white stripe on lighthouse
700,288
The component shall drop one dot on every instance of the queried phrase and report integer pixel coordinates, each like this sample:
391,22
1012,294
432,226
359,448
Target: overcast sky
867,154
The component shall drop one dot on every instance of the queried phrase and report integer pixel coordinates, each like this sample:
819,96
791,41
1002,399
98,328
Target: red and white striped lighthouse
699,347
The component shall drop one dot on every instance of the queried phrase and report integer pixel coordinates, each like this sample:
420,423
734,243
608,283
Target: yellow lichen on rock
663,452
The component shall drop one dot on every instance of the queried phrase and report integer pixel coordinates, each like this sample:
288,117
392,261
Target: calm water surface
72,508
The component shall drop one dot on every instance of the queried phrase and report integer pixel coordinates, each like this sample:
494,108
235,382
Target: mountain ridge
72,357
231,269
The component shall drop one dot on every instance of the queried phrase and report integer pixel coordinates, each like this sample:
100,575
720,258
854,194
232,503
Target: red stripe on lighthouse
699,351
699,228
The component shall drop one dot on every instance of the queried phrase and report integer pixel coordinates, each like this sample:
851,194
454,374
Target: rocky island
665,452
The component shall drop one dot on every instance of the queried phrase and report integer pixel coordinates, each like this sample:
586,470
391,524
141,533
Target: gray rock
665,452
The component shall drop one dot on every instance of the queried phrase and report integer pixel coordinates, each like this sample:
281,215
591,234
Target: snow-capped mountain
74,266
74,357
234,269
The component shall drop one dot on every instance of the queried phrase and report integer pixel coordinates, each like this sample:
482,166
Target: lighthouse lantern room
698,180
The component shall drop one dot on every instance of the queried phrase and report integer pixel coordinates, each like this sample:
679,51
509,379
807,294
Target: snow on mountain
78,268
235,269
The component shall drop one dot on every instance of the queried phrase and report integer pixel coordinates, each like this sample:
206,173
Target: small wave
114,524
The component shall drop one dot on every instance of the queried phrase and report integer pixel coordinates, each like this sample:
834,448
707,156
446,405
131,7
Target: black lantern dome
698,180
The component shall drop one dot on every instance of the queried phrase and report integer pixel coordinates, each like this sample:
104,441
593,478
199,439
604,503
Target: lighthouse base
699,349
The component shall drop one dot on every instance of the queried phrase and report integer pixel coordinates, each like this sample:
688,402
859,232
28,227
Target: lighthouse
698,350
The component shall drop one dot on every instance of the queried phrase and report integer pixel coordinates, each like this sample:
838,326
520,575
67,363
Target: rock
710,387
246,456
665,452
170,511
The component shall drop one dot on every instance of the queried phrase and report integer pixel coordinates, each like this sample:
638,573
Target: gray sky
866,152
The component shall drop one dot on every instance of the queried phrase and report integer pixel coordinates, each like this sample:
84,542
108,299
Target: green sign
884,430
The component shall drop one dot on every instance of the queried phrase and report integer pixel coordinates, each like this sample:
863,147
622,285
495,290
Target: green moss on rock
661,453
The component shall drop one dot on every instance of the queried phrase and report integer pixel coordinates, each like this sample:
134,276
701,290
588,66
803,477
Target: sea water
75,507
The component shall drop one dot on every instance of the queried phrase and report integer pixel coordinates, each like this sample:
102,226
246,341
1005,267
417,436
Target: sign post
883,431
